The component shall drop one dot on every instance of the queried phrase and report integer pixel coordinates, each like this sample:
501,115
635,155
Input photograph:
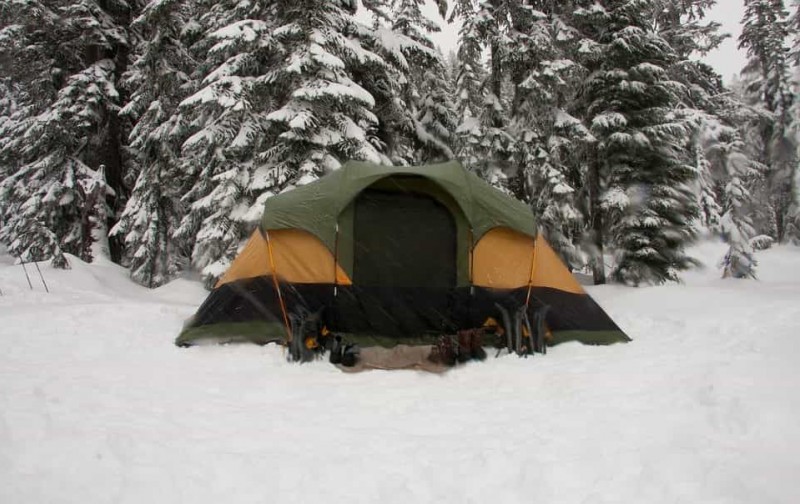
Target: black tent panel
403,240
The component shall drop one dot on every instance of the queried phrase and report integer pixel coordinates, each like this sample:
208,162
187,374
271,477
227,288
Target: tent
393,255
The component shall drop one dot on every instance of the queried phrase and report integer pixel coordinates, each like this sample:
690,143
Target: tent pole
41,276
532,270
336,260
332,308
26,273
278,287
471,262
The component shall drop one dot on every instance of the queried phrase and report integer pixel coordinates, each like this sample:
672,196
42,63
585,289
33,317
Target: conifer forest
153,132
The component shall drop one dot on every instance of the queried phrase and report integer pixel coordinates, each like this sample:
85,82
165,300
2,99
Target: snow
241,31
609,121
98,405
324,58
340,91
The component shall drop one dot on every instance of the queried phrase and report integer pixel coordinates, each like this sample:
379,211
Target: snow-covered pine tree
793,227
727,170
227,114
8,115
400,80
383,77
278,105
710,210
325,117
549,139
684,26
67,61
749,116
159,78
765,36
634,110
725,151
429,121
437,115
483,142
794,29
469,77
590,20
26,57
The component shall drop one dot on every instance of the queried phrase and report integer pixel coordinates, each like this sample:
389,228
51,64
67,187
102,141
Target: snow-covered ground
97,405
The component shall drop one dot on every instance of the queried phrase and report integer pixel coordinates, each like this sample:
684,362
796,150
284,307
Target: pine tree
683,25
227,115
793,227
469,77
67,59
634,111
549,138
436,118
279,105
160,79
483,141
428,123
794,28
325,117
707,193
726,150
765,36
9,109
400,80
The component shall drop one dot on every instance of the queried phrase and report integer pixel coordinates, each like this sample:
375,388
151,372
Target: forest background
153,132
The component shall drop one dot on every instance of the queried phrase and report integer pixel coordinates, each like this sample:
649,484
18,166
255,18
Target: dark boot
464,345
337,348
350,355
476,345
443,352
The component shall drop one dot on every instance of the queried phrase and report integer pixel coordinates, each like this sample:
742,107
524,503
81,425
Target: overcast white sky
727,60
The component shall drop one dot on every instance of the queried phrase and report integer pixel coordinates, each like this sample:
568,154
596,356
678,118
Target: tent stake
41,276
26,273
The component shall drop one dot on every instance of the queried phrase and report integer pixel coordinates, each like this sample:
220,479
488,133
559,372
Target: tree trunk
110,144
496,64
112,157
596,215
496,80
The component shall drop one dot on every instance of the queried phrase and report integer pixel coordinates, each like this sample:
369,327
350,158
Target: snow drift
98,405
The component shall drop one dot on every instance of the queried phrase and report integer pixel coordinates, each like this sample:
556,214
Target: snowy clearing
97,405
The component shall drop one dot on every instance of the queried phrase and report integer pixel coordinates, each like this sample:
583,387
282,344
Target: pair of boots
465,345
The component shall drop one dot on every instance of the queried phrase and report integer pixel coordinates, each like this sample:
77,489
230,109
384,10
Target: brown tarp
398,357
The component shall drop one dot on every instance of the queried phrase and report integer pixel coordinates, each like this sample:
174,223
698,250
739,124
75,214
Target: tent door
404,258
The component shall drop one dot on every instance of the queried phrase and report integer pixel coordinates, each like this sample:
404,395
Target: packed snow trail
97,405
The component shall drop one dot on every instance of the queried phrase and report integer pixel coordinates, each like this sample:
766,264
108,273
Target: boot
442,352
336,350
464,345
476,345
350,355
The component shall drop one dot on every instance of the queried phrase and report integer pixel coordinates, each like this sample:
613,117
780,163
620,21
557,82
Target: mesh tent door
403,240
404,260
